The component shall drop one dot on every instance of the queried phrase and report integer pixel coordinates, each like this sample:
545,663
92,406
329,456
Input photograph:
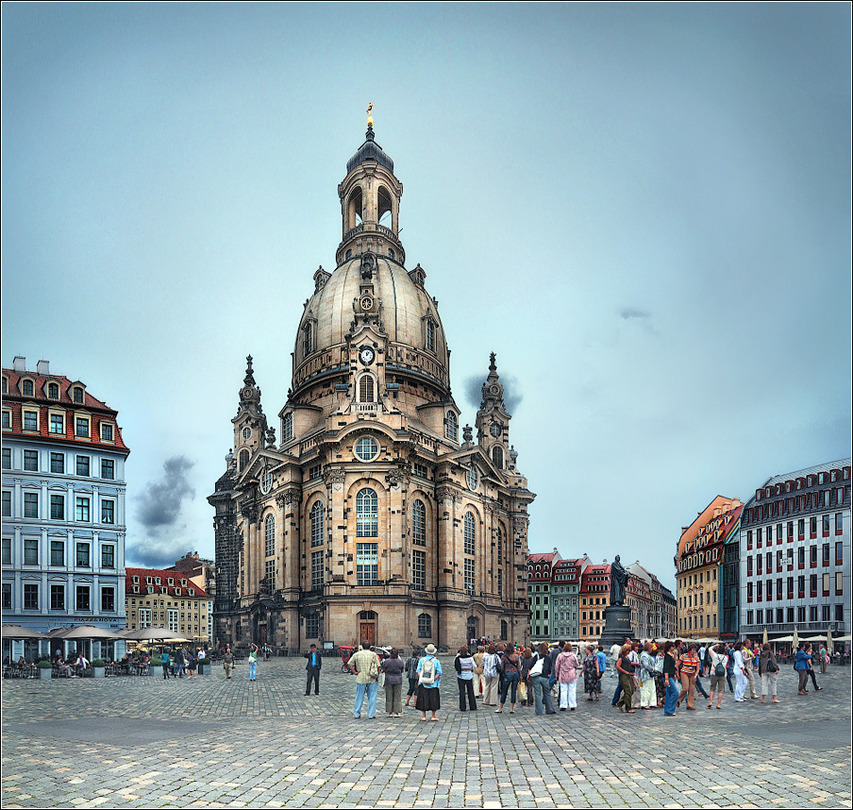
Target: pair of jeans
700,688
253,669
569,695
466,687
671,698
617,692
541,694
510,684
370,689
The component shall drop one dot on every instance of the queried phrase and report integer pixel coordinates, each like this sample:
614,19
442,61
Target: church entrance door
368,633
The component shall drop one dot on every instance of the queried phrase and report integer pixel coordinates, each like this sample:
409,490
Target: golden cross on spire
369,116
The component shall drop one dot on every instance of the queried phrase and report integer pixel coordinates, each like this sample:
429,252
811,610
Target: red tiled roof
99,412
164,575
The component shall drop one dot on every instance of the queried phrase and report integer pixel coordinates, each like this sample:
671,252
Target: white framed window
317,530
28,388
53,390
107,432
81,427
7,419
56,424
317,574
30,420
108,511
366,448
367,563
269,536
469,533
418,522
419,570
366,513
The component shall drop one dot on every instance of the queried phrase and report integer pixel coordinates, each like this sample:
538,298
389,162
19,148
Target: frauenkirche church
370,520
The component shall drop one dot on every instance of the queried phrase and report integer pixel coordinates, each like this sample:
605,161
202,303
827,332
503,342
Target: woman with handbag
625,668
511,668
464,665
768,668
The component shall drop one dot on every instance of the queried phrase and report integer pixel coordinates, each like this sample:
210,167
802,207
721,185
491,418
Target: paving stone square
210,742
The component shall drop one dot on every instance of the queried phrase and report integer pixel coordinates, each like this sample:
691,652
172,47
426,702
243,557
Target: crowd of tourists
649,675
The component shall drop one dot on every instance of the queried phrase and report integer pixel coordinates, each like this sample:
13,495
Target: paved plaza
146,742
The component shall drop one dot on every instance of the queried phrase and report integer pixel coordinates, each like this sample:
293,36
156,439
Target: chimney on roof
19,364
43,368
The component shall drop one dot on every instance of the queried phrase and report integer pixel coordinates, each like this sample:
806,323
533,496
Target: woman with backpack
718,663
511,669
429,677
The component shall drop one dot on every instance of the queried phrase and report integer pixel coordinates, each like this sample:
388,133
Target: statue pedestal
617,626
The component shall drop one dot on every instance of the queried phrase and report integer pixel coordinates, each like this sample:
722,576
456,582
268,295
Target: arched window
468,533
53,390
366,514
354,209
451,426
384,207
500,546
317,535
365,389
287,427
244,459
424,625
27,388
269,536
308,338
419,523
78,395
429,338
504,629
498,456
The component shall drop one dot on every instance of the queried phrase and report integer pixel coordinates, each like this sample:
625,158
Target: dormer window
157,580
148,580
53,390
106,432
307,338
134,579
190,591
164,589
27,388
170,581
77,394
150,589
183,582
177,591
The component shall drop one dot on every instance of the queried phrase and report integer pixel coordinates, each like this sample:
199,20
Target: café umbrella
154,634
88,631
795,640
16,632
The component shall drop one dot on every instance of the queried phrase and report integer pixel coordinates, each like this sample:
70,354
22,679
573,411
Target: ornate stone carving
335,478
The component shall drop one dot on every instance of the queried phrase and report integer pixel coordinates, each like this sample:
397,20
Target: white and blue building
63,518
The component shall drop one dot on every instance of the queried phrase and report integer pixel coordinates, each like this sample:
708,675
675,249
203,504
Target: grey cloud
631,313
155,552
512,397
160,503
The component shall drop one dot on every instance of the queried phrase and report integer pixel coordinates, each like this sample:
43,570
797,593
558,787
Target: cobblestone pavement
146,742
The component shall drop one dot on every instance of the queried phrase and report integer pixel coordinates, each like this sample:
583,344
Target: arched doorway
367,627
472,628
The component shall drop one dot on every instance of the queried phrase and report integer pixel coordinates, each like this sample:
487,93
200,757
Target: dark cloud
631,313
155,552
160,503
512,398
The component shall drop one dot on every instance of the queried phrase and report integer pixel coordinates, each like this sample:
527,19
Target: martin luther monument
617,616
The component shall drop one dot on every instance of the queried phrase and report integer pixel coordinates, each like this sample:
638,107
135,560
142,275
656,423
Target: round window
266,482
471,478
247,432
366,448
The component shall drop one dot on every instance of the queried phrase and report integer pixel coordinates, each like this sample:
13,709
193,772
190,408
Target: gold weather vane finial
369,116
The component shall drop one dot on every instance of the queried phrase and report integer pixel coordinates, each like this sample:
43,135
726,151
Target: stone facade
369,520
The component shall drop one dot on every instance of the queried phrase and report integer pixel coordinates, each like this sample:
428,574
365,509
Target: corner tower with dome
371,519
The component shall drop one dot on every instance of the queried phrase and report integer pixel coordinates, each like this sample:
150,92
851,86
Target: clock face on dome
366,303
366,355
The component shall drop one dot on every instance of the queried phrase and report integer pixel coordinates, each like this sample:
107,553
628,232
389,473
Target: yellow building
169,599
698,564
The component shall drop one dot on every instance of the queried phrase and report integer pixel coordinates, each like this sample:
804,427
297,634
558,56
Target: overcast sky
643,210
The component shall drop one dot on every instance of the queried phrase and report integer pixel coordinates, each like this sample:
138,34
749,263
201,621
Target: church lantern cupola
370,203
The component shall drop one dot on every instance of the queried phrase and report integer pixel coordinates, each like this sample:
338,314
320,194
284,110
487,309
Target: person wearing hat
315,662
429,678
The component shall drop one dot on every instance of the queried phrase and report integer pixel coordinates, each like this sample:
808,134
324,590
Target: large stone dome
407,314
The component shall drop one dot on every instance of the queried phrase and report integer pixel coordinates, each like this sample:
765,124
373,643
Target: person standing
479,679
465,666
540,674
591,673
824,659
810,653
253,661
490,676
393,667
749,666
801,664
179,662
228,662
191,664
412,675
365,664
566,671
740,673
717,664
511,669
768,668
166,661
669,677
625,668
688,666
312,669
429,681
648,695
